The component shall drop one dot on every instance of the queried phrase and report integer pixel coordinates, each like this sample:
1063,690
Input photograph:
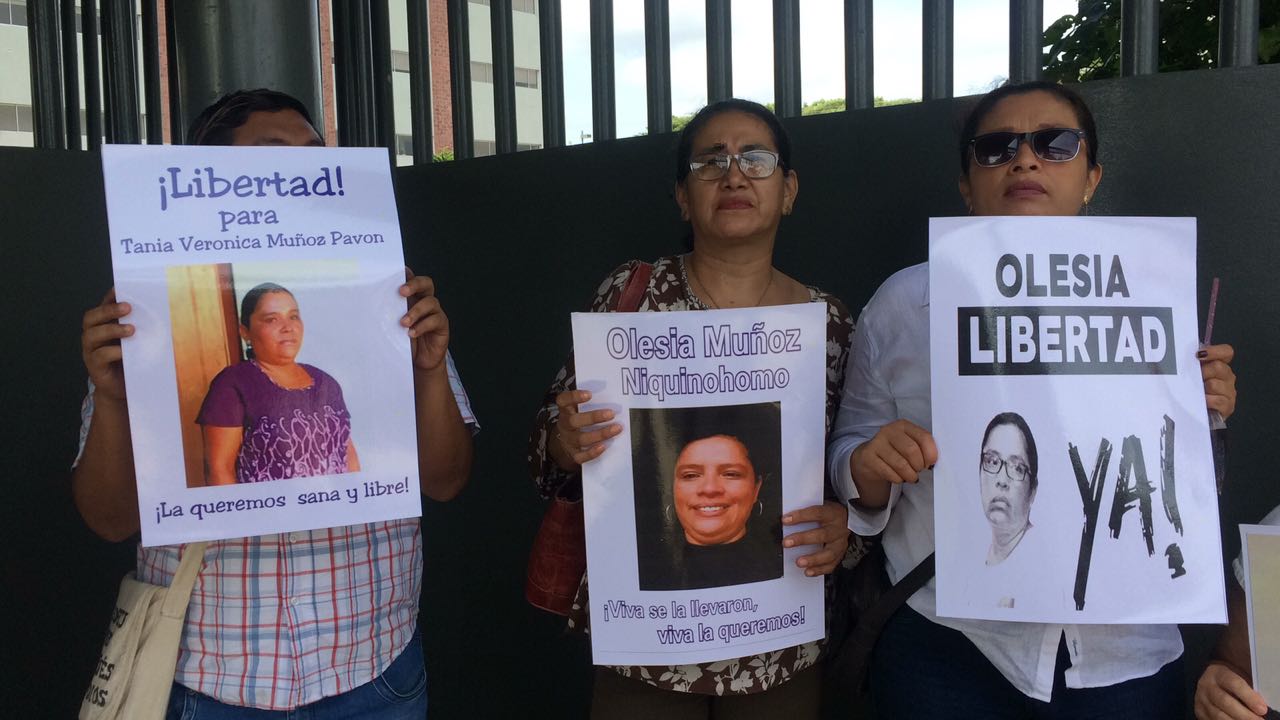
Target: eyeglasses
754,164
1015,470
1051,145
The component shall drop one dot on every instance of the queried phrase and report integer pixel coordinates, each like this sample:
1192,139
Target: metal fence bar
502,40
859,55
786,57
353,56
719,50
343,100
177,133
1238,33
460,80
604,124
92,90
420,106
120,61
49,121
151,71
384,125
551,50
939,34
1026,33
657,57
70,74
1139,37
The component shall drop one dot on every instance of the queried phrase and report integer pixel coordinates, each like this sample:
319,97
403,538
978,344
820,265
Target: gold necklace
714,303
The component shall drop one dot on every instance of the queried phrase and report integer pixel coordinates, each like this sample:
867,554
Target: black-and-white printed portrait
1007,474
708,495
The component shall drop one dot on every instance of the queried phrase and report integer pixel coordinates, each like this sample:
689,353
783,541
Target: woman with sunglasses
734,183
1028,149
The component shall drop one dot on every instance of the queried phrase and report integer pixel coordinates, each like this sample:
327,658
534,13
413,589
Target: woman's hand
427,323
1219,380
1221,694
832,534
579,437
897,454
101,331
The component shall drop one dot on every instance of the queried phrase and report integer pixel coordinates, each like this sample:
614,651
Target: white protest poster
1075,480
722,416
1260,557
269,381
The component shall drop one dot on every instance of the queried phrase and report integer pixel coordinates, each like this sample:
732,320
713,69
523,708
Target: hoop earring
666,514
759,508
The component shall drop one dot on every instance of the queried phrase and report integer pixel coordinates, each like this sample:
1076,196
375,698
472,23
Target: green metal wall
515,244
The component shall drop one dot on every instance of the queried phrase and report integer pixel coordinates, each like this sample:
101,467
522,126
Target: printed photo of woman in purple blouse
271,417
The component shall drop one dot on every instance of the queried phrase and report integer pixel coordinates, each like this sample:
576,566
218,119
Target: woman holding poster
1027,149
734,183
271,417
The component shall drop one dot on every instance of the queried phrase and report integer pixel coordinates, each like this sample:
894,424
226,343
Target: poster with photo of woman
1075,482
270,383
722,427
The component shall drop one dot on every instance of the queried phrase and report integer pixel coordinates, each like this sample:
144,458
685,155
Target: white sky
981,53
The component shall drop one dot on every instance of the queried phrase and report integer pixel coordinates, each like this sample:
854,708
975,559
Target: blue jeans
921,669
399,693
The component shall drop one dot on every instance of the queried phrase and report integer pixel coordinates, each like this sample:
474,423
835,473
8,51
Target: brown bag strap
633,291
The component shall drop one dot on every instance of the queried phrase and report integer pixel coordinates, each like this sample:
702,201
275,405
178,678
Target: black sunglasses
1051,145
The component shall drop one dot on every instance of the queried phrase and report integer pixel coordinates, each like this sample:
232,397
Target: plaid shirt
279,621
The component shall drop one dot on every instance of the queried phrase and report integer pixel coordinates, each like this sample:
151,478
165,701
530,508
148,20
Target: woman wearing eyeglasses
1028,149
734,183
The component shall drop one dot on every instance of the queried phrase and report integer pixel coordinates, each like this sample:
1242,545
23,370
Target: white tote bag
135,672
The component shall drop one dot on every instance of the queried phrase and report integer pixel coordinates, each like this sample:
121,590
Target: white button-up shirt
887,379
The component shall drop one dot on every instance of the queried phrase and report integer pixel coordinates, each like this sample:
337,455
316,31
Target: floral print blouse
669,289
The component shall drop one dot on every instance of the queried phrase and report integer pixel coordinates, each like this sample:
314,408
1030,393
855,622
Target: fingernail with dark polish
1202,353
931,466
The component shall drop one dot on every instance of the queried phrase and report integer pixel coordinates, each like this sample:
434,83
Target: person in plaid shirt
324,619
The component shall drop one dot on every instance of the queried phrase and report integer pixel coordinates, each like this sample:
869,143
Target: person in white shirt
1026,149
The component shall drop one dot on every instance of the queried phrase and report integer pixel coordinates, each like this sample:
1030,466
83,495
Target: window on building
400,61
526,77
9,118
481,72
13,12
521,147
404,145
485,147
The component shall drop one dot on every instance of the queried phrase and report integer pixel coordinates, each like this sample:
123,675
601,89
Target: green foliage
1086,46
444,155
819,107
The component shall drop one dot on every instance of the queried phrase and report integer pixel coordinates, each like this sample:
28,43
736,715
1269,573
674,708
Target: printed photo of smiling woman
708,495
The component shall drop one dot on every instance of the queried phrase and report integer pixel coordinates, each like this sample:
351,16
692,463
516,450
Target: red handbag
558,558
